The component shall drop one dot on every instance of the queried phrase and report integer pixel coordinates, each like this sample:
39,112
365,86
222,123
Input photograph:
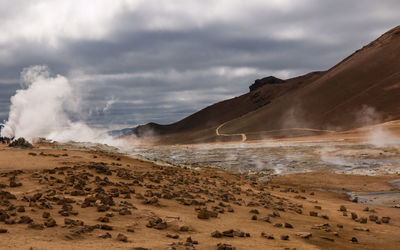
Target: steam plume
41,108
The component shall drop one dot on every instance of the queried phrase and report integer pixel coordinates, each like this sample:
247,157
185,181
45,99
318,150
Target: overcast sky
160,60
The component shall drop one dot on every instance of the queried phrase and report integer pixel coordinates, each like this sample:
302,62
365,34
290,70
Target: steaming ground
281,157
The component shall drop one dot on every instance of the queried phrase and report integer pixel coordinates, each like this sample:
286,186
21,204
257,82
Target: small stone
223,246
216,234
324,216
363,220
354,216
106,227
373,217
254,211
385,219
46,215
304,235
354,240
342,208
267,236
203,214
284,237
36,226
3,230
173,236
122,237
312,213
107,235
327,238
50,223
228,233
288,225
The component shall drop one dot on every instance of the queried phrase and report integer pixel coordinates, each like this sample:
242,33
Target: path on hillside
243,135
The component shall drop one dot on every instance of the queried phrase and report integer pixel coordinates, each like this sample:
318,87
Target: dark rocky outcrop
20,143
266,80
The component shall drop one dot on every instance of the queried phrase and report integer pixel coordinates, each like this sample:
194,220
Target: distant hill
119,132
363,89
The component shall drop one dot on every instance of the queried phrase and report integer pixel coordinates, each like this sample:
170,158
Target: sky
138,61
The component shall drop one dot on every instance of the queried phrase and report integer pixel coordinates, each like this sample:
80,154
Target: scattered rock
122,237
223,246
284,237
385,219
304,235
354,240
267,236
107,235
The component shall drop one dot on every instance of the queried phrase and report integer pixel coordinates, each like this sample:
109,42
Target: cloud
161,60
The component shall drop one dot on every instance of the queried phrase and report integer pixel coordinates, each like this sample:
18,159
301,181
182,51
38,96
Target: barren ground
84,190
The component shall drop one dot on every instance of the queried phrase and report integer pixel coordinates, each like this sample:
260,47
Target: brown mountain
363,89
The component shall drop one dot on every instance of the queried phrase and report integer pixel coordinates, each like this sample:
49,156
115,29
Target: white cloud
49,21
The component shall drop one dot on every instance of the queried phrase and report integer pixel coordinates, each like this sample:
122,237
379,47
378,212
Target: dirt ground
94,200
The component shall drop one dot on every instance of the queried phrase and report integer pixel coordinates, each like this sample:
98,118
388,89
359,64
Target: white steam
379,136
41,108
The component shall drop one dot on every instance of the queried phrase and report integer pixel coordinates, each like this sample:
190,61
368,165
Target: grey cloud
164,65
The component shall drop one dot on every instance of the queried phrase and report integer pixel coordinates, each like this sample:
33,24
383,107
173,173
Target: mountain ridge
366,83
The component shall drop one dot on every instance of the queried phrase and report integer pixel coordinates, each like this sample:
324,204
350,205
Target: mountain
363,89
119,132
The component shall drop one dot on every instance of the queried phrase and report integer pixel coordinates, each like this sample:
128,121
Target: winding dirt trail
243,135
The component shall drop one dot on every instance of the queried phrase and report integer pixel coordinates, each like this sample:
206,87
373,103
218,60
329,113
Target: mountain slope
363,89
224,111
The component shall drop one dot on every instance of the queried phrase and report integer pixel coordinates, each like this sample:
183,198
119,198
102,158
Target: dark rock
304,235
223,246
216,234
122,237
25,220
385,219
106,227
354,240
284,237
50,223
266,80
288,225
267,236
21,143
173,236
107,235
36,226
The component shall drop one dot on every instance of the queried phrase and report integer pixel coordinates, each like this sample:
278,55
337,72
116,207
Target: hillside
361,90
214,115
